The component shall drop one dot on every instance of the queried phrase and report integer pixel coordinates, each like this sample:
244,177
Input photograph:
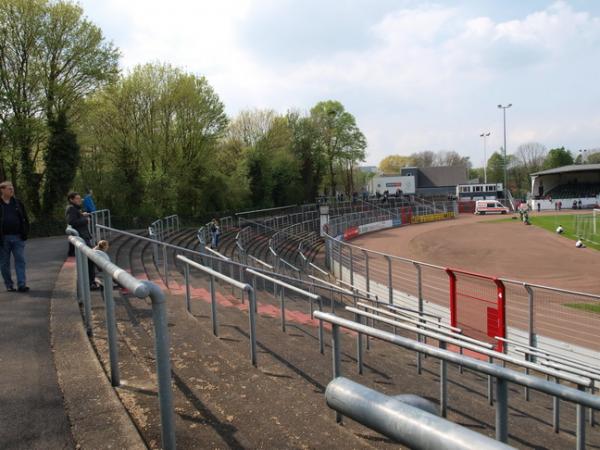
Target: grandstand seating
221,400
573,191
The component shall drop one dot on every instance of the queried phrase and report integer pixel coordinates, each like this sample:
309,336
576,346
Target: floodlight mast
504,108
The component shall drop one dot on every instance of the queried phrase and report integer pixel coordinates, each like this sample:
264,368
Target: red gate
477,305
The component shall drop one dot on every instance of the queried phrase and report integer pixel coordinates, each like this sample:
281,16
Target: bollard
163,365
111,325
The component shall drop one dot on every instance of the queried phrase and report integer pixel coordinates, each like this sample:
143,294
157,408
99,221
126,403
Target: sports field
567,221
507,249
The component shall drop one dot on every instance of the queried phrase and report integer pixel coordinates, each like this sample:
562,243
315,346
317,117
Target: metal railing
213,301
101,217
409,425
537,315
141,289
501,374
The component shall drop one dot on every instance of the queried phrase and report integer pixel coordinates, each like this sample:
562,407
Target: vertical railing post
111,326
252,323
443,383
501,410
580,427
213,306
335,350
165,265
351,266
390,285
556,411
420,308
186,274
359,346
78,261
367,277
282,307
87,300
163,365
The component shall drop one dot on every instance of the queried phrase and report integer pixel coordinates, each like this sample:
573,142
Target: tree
452,158
558,157
61,161
531,156
495,168
394,163
423,159
593,157
339,138
51,57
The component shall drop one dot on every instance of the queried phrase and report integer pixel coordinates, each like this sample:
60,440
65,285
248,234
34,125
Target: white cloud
430,76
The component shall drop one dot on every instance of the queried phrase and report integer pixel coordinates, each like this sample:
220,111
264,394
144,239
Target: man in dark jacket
14,227
79,220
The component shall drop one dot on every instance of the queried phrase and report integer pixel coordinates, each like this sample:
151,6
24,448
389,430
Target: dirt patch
505,249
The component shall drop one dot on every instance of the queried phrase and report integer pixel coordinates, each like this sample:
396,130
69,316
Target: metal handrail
312,297
502,374
243,286
140,289
410,426
439,335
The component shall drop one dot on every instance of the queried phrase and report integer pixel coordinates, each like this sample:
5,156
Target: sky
416,75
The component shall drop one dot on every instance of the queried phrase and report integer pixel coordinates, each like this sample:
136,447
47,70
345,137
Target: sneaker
23,289
11,289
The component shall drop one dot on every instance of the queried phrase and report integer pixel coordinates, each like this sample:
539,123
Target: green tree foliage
51,57
558,157
341,142
394,163
61,160
161,126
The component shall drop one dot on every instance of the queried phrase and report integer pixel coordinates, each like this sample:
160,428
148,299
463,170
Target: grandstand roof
568,169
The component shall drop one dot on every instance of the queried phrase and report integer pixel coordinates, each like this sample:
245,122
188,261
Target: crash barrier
502,375
99,217
141,289
395,418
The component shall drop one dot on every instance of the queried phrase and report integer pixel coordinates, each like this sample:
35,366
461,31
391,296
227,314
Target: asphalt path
32,412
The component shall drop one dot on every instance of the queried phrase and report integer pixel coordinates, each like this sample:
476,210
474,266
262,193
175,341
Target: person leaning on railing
79,220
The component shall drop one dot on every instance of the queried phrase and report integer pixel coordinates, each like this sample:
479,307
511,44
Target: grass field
591,307
551,222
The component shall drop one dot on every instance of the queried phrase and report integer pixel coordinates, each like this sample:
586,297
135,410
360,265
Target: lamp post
484,136
504,108
583,154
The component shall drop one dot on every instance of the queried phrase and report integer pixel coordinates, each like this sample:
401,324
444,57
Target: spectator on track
560,230
579,244
539,206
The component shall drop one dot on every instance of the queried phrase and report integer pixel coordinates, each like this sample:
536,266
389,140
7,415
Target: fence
99,217
141,289
160,229
501,374
541,316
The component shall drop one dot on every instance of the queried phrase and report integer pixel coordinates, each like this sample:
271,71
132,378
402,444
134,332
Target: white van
490,207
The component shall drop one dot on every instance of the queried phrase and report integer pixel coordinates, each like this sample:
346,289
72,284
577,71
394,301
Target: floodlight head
499,106
488,133
509,105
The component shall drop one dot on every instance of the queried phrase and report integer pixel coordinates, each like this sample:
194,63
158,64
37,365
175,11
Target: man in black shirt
79,220
14,227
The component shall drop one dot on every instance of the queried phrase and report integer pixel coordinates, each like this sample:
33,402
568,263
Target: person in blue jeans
14,227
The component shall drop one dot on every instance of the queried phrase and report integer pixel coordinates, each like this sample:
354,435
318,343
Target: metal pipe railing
242,286
311,297
503,375
140,289
410,426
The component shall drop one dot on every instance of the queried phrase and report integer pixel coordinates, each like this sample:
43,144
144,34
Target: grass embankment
590,307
